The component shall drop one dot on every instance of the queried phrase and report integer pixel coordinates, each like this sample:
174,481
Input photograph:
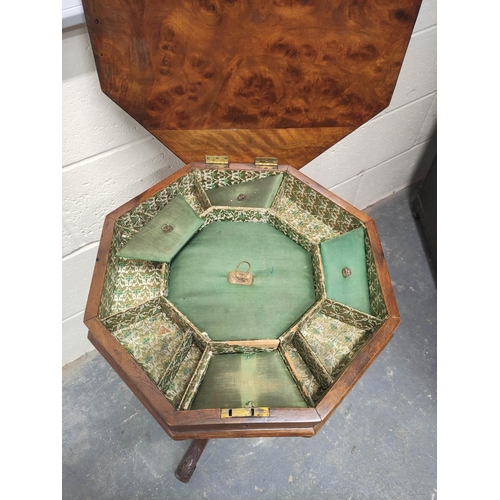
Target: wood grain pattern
293,146
213,65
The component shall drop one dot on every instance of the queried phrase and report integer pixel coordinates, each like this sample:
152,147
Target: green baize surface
347,251
281,292
256,379
257,193
153,243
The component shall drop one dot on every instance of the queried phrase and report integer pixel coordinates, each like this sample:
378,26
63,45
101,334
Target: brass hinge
244,412
217,160
265,162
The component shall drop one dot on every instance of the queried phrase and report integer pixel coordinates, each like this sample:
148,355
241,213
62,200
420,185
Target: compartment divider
312,361
243,346
296,376
319,273
350,316
169,373
196,379
284,227
287,337
200,194
279,195
200,339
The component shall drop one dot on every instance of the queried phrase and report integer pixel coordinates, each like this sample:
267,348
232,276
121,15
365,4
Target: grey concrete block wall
108,158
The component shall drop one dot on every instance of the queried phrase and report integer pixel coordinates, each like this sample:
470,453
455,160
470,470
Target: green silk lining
258,193
153,243
259,378
281,292
347,251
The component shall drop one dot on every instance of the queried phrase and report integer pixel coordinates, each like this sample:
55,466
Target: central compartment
281,292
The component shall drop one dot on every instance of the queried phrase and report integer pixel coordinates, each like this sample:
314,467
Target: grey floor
379,444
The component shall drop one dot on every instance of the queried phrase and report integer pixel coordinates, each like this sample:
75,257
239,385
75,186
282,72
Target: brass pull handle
243,262
238,277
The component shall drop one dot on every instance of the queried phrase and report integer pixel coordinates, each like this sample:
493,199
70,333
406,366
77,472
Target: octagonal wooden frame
207,423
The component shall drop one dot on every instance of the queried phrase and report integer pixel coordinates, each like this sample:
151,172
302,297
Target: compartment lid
279,78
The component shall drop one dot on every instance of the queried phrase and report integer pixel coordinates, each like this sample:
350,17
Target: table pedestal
188,463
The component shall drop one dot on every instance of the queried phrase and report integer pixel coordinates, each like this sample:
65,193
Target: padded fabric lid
347,251
165,234
258,193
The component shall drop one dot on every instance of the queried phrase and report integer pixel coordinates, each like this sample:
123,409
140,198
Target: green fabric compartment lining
281,292
234,380
153,243
347,251
258,193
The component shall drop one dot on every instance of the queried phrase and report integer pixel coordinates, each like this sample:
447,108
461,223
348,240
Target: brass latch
217,160
244,412
265,162
238,277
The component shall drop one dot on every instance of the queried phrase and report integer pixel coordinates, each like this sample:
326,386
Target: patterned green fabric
350,316
304,222
170,372
235,380
152,342
282,272
312,360
214,178
332,341
377,302
320,338
135,282
347,252
216,214
178,386
314,211
303,377
196,379
254,193
225,348
153,243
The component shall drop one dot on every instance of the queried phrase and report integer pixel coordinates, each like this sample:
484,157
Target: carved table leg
188,463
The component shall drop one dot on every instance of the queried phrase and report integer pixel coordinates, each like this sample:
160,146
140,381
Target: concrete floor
379,444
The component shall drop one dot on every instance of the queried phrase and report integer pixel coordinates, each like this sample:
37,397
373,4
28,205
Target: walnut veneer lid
249,78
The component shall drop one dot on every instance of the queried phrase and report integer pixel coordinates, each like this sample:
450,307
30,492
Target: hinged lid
255,78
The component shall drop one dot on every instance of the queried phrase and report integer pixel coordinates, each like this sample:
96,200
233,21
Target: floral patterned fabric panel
196,379
135,282
151,342
350,316
377,302
308,200
211,179
281,225
331,340
128,317
304,222
217,214
183,376
306,376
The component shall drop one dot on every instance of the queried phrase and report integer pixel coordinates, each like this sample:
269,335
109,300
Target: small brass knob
241,197
167,229
346,272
